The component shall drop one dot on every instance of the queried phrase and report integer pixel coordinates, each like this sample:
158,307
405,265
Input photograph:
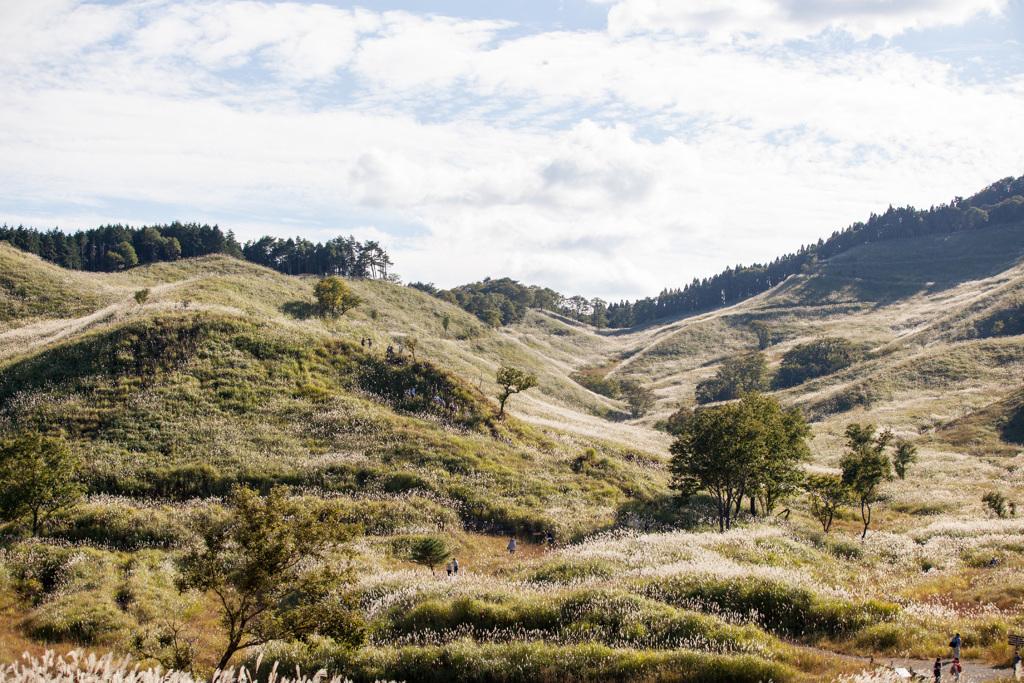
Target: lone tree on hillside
412,343
827,494
141,296
903,457
429,551
512,381
334,296
37,478
747,448
763,332
266,562
865,466
639,398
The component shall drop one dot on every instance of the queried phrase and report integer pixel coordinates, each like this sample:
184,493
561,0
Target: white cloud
781,20
598,163
413,52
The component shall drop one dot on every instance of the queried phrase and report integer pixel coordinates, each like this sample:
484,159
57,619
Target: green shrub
780,607
570,571
815,359
89,618
73,590
536,662
886,637
734,377
123,527
597,384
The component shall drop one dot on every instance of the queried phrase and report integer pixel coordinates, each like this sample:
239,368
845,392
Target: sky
609,148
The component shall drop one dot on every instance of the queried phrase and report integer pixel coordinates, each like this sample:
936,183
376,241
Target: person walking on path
512,545
449,568
937,669
455,566
955,669
955,644
1016,664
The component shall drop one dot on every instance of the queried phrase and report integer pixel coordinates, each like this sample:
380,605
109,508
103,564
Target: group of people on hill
452,567
955,668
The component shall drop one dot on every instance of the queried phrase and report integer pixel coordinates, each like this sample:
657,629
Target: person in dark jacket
955,644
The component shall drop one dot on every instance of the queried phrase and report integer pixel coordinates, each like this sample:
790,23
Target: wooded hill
503,301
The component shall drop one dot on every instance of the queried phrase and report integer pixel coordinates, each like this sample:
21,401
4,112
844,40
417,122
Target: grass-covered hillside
226,375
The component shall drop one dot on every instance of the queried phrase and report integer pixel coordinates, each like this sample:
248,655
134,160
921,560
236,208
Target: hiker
512,545
955,644
937,669
955,669
455,566
364,342
1016,664
449,568
550,539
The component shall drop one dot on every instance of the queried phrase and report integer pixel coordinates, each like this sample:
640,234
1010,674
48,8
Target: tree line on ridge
118,247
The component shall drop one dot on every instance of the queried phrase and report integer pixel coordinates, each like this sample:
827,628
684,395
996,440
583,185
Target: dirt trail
972,671
46,332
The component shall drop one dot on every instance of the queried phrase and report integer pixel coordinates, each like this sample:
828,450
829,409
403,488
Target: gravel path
973,672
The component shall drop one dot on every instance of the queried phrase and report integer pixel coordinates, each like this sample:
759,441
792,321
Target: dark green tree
734,377
639,398
267,561
815,359
141,296
122,256
778,474
865,466
827,494
763,332
38,477
904,455
996,502
678,421
429,551
512,381
445,322
737,449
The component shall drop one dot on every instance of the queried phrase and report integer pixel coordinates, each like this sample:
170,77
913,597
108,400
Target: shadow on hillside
667,512
302,310
1012,430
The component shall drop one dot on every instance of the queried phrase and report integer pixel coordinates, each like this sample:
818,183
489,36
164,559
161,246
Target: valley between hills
169,407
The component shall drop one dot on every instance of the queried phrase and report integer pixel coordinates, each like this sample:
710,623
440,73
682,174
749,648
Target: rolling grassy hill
170,406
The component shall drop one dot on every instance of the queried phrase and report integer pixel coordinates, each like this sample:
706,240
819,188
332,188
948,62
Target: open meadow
225,377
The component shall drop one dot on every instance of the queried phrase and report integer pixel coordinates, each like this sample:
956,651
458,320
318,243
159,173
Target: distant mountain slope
997,428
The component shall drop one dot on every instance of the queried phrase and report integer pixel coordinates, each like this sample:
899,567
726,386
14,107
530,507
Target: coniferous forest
501,302
119,247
